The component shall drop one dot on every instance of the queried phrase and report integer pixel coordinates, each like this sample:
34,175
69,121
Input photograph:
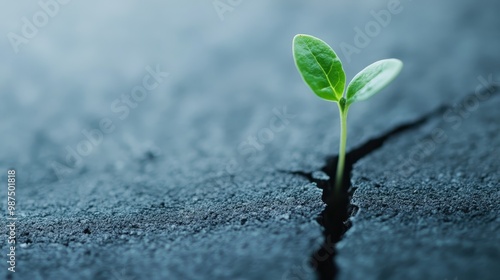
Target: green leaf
372,79
319,66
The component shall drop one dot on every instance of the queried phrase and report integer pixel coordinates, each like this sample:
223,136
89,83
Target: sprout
322,70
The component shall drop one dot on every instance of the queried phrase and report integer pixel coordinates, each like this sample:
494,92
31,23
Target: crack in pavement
335,217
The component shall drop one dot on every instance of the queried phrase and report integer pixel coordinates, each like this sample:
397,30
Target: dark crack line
335,218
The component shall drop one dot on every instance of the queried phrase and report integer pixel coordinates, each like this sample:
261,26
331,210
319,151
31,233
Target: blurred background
67,66
154,139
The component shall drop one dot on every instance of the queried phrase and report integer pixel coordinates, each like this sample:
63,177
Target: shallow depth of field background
237,63
195,179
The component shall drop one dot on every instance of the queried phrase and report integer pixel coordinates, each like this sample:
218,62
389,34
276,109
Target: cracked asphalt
433,212
198,182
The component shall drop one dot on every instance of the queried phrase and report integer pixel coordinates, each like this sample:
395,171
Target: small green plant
322,70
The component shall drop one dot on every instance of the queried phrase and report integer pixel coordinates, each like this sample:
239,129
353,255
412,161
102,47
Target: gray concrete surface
428,202
179,191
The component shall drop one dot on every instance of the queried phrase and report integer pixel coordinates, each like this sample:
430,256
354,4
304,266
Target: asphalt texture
433,211
224,170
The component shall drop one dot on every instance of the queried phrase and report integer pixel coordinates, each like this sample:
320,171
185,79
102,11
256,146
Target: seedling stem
342,147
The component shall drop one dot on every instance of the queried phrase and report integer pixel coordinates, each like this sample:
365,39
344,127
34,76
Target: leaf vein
322,69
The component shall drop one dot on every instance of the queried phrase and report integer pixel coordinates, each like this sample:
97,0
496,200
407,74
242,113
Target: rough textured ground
211,227
429,203
170,194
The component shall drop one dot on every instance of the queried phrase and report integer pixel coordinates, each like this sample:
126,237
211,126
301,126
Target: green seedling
322,70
